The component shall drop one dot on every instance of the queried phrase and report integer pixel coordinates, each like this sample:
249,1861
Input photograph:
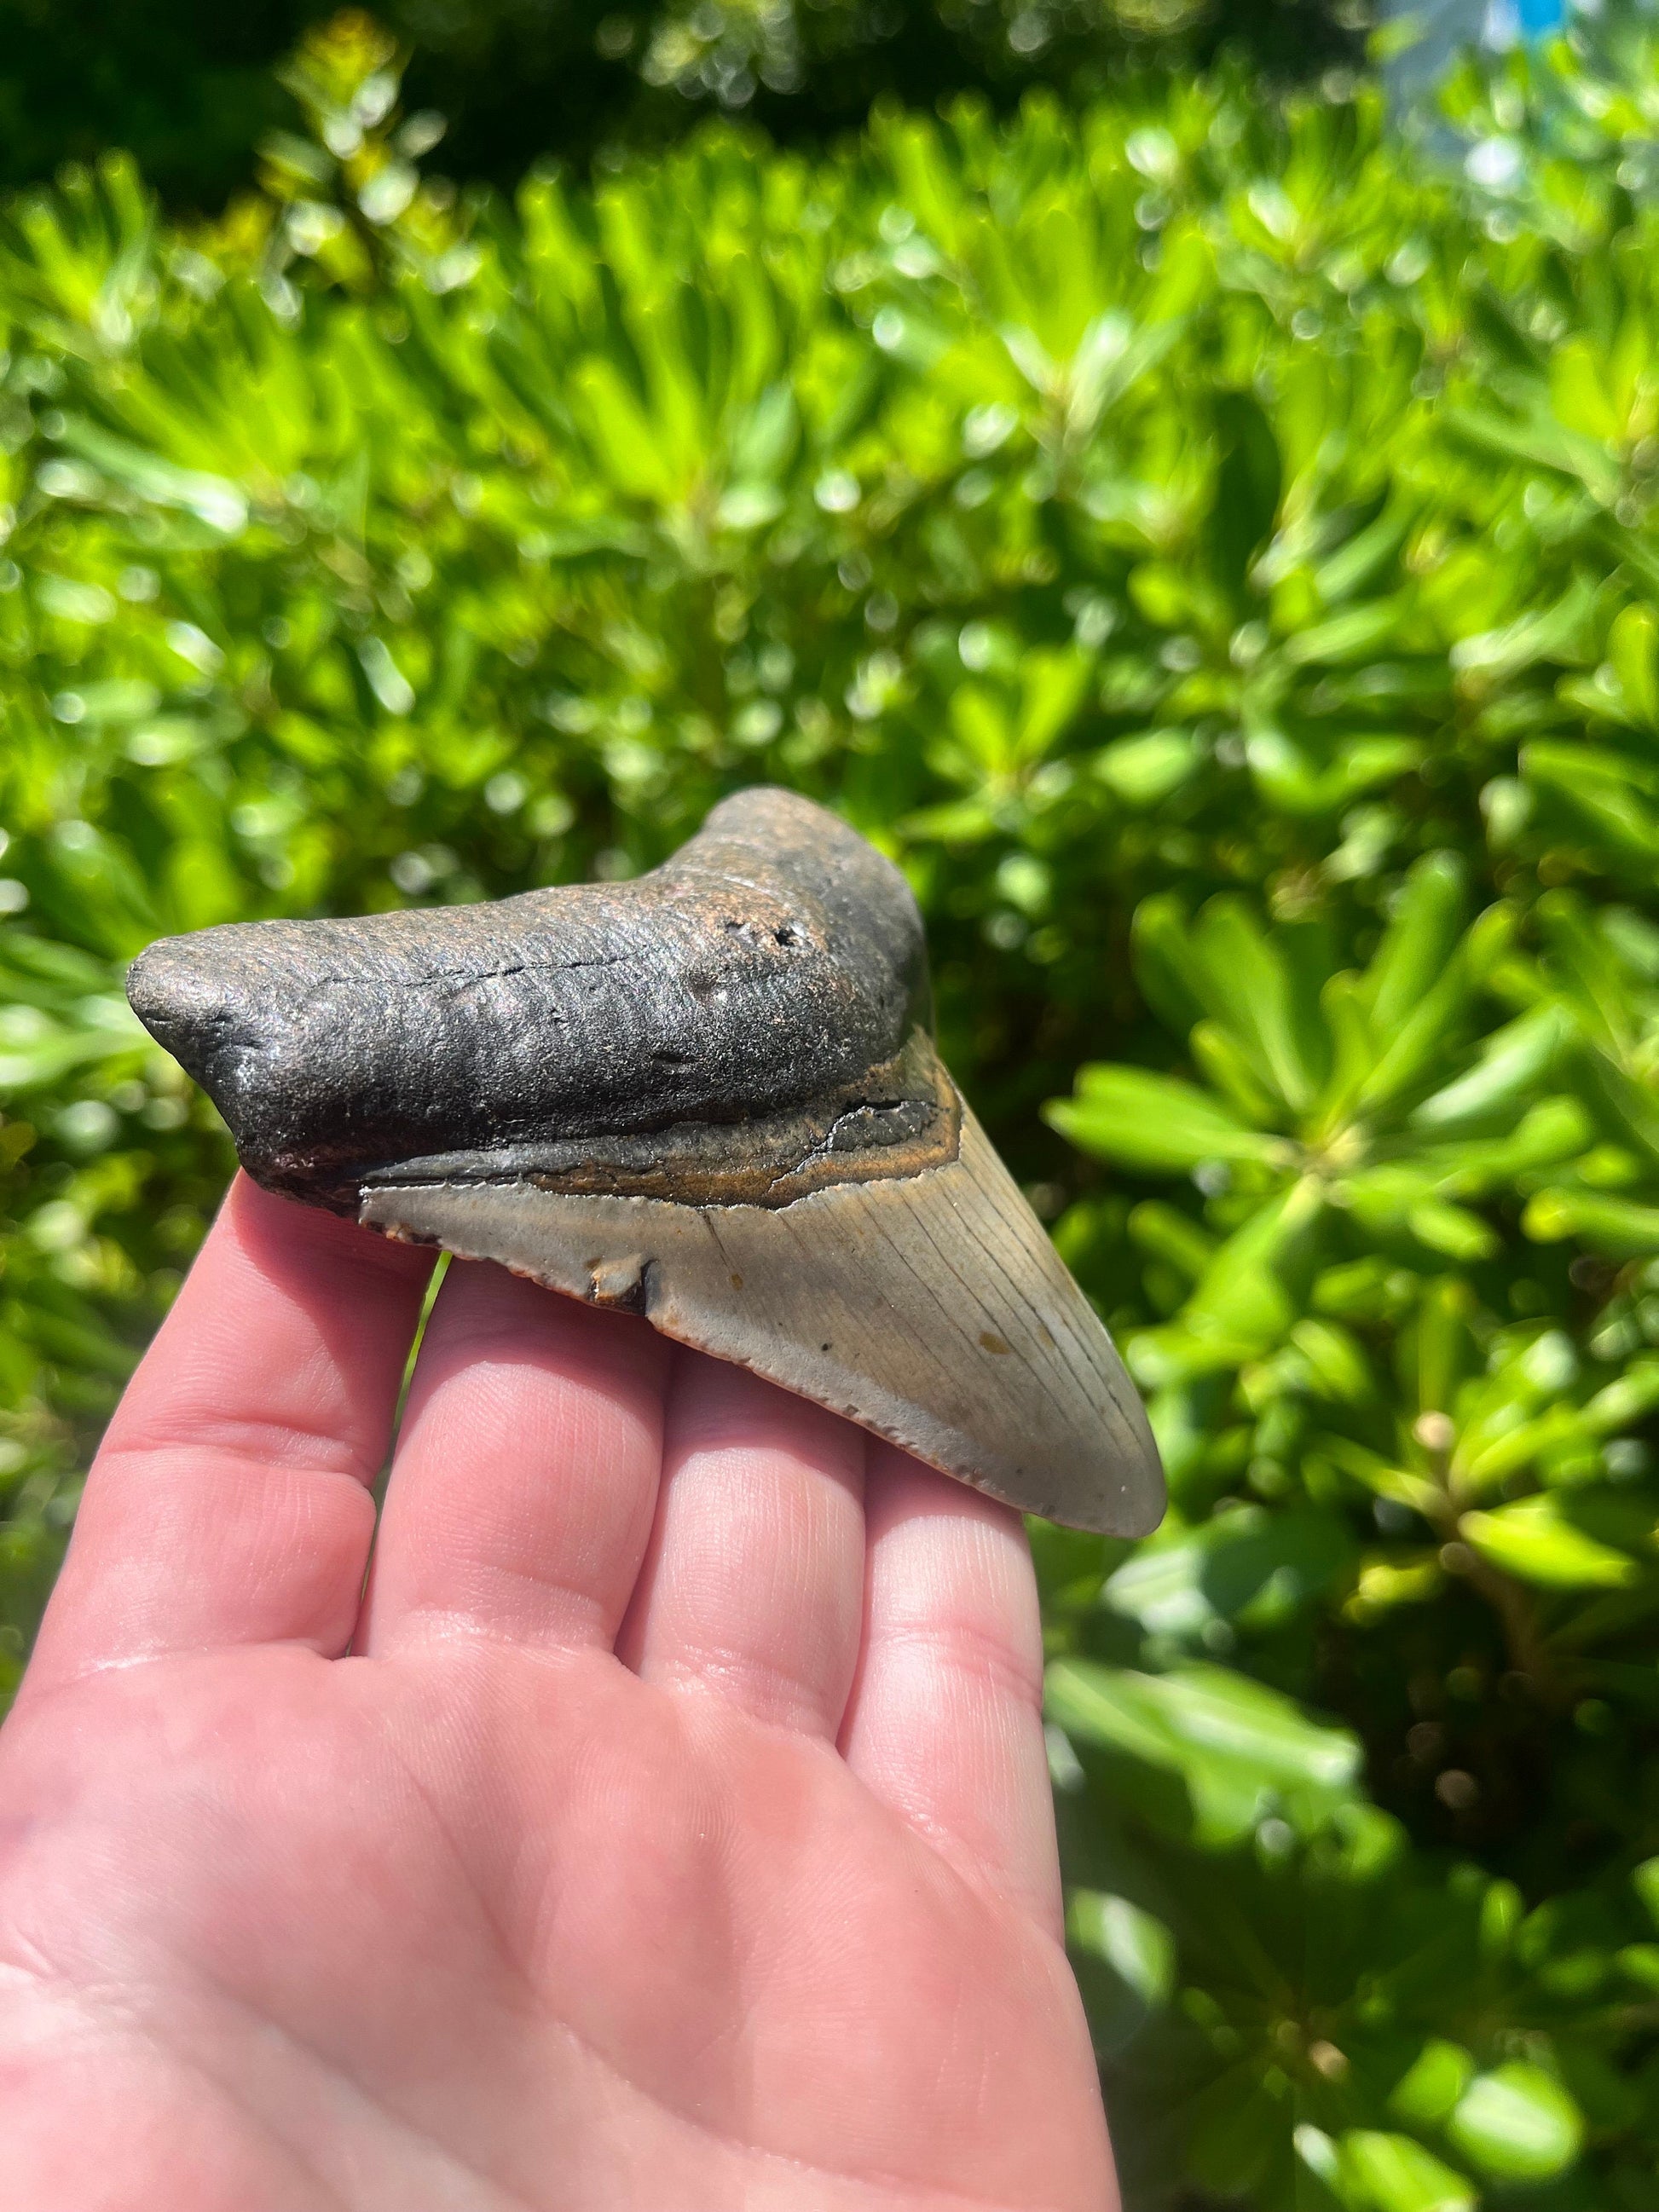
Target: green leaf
1145,771
213,499
36,1052
1512,1061
1633,650
1238,1748
1427,2092
1248,1566
1152,1122
1417,942
1438,1350
1615,1225
1173,1237
1379,2173
1246,1292
1053,685
1357,634
1250,989
1606,798
1166,967
1295,777
1532,1541
1541,634
1540,440
1234,1073
1247,487
1622,1403
1452,1230
1517,2124
1337,1366
1137,1946
1235,2129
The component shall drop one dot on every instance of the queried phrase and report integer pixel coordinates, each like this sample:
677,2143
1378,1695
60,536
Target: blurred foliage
186,86
1217,553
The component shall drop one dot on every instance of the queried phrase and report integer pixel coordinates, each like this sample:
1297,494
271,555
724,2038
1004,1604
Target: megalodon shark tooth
709,1096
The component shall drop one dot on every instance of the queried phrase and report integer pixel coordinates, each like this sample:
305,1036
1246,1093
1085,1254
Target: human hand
666,1831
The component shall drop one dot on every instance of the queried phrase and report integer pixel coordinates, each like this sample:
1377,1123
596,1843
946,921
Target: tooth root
930,1308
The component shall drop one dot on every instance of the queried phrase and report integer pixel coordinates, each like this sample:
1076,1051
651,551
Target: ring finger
752,1583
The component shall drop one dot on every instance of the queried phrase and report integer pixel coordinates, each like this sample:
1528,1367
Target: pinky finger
945,1721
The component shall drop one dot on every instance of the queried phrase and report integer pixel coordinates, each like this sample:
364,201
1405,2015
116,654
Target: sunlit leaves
1238,1752
1517,2124
1539,1539
1153,1122
1220,568
1375,2172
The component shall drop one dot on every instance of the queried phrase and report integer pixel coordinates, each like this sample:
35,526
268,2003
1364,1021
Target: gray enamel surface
931,1308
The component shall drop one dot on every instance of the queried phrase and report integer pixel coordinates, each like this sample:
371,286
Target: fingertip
292,1323
945,1720
947,1557
486,1311
284,1237
229,1501
525,1474
753,1586
905,1493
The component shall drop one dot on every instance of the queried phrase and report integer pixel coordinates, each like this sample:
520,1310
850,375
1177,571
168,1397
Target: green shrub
1218,557
189,87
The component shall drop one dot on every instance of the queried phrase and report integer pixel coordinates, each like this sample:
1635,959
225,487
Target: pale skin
668,1828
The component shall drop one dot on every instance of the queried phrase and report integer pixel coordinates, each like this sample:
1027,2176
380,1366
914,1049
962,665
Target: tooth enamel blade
931,1309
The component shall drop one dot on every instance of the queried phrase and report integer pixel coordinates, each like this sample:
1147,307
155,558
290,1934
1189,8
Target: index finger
230,1502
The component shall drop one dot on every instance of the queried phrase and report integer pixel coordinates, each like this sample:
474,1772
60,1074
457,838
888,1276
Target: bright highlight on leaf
1517,2124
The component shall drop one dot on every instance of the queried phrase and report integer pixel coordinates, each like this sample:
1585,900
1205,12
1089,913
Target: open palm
665,1829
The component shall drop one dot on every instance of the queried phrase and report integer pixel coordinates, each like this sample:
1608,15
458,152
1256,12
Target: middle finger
526,1476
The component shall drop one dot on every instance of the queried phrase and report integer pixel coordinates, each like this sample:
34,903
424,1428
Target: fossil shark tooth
709,1096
